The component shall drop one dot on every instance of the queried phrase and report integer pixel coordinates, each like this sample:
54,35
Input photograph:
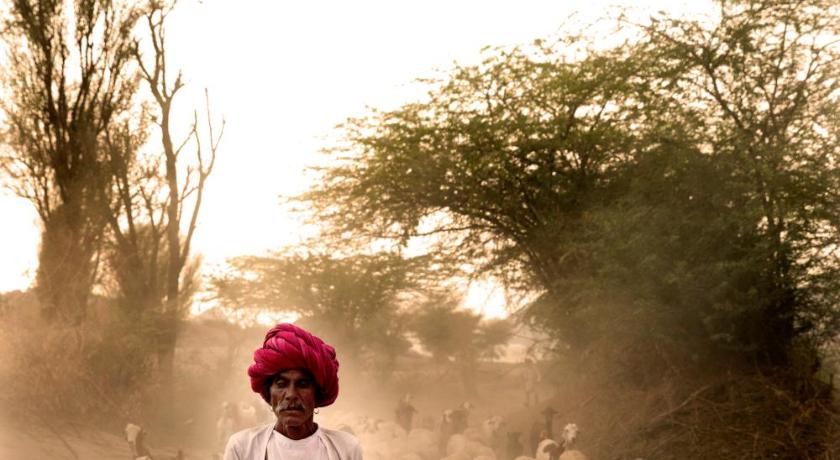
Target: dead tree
184,197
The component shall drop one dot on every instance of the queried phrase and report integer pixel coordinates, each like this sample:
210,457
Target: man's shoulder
248,433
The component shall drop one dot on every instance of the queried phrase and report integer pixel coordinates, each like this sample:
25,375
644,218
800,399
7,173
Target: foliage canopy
688,177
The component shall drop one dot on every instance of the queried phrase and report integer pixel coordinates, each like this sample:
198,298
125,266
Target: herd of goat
388,440
487,440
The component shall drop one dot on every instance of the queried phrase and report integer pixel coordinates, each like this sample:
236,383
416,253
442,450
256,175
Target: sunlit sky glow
283,74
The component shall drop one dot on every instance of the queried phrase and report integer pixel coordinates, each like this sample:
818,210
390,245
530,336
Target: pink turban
287,346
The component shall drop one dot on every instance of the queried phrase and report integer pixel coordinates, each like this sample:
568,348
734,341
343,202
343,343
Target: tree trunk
66,267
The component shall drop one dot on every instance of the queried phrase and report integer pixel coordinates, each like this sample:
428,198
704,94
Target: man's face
293,397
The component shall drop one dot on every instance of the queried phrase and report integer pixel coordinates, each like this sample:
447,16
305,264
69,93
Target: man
531,377
295,372
535,435
513,448
446,430
405,412
548,415
460,417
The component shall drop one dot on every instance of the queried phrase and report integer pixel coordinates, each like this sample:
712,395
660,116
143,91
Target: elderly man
295,372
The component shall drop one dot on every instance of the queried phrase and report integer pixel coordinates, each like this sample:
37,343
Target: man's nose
292,392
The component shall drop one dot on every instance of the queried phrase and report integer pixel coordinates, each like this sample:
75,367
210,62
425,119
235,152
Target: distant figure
531,377
534,435
135,435
446,430
513,448
548,415
460,417
405,412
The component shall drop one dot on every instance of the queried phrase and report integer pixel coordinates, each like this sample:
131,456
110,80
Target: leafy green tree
501,166
691,174
763,80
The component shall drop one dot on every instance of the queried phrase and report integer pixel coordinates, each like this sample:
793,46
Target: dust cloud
210,377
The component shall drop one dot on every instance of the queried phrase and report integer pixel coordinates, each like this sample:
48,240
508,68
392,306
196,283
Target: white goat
460,446
570,433
547,449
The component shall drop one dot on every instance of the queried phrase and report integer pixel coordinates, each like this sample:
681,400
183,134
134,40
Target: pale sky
283,74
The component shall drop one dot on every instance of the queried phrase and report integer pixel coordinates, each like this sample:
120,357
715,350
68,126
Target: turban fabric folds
287,346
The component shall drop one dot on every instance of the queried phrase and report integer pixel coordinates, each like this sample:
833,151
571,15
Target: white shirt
252,444
308,448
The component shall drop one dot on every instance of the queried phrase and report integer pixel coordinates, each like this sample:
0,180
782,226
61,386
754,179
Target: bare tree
184,195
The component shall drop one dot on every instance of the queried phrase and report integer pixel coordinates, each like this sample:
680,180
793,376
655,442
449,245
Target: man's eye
303,383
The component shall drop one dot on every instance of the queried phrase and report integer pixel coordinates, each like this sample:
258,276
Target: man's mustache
288,406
